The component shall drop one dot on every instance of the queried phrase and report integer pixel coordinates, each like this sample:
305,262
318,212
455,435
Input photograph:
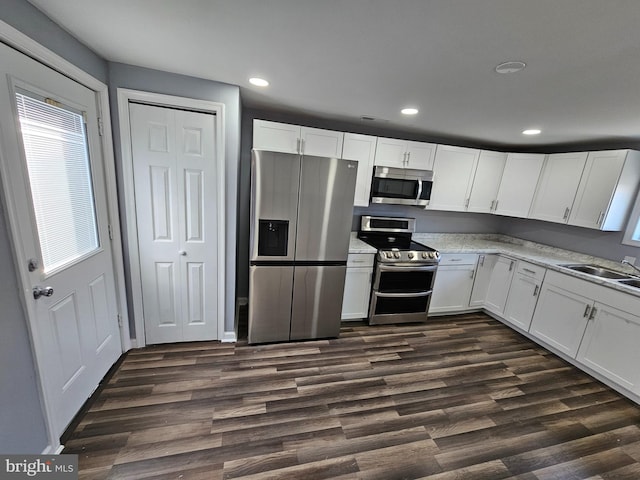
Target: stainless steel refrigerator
301,215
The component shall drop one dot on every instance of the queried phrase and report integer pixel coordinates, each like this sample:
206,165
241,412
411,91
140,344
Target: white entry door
56,201
174,169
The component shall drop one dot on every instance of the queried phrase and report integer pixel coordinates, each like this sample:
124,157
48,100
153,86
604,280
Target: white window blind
55,146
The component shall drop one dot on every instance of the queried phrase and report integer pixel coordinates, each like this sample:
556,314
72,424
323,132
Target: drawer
458,259
531,270
360,260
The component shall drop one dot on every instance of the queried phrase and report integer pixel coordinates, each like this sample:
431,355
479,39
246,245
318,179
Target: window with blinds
55,146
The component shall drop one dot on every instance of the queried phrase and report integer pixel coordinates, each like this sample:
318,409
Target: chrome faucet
627,262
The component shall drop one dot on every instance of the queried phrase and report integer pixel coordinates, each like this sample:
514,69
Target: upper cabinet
361,148
557,187
486,183
453,172
607,190
282,137
391,152
518,184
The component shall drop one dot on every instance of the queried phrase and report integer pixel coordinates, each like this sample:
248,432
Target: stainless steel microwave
401,186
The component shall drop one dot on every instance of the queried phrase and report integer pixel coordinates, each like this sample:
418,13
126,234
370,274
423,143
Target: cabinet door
482,280
276,137
610,346
518,184
321,143
499,284
452,288
597,185
560,318
362,149
391,152
521,302
420,155
486,182
558,186
357,290
453,172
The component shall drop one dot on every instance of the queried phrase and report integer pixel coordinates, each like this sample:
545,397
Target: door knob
42,292
182,252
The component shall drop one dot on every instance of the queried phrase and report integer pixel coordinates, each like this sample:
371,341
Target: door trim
124,97
21,42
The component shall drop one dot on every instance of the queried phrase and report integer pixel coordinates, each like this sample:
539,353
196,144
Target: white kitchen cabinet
610,345
484,268
362,149
453,283
499,285
523,294
557,187
357,286
391,152
286,138
607,190
486,182
518,184
453,172
562,312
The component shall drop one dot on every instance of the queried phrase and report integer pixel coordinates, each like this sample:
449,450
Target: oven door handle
426,293
406,267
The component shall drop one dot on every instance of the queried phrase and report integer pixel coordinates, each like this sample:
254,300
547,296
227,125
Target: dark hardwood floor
460,397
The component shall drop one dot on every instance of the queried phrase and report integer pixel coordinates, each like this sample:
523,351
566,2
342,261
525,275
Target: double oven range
404,271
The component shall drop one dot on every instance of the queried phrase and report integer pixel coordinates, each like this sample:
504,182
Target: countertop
536,253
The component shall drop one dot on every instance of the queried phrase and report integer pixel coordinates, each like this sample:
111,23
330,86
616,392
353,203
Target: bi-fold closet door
174,165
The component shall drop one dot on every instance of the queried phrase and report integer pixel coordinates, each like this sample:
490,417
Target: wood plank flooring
460,397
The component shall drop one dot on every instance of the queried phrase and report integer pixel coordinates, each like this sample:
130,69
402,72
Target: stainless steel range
404,272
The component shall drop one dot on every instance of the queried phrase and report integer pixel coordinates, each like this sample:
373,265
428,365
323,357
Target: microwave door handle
419,192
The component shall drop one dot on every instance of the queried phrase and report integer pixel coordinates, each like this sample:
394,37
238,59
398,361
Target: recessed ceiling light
259,82
510,67
532,131
409,111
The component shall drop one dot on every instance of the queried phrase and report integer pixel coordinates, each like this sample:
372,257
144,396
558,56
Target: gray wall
22,423
138,78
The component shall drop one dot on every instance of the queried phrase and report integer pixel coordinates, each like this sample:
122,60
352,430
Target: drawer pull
594,311
528,270
535,290
586,311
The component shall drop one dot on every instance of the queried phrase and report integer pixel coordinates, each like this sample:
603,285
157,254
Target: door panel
75,331
270,306
317,302
327,186
174,176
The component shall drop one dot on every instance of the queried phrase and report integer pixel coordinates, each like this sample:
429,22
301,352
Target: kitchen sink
598,271
632,282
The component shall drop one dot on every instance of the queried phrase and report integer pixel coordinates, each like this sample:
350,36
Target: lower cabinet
453,284
499,285
357,286
484,268
523,294
610,345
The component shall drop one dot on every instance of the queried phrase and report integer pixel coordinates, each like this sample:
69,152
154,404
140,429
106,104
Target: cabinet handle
566,213
594,310
473,273
496,206
492,204
587,310
481,261
408,158
511,265
600,218
298,145
528,270
466,203
536,290
455,259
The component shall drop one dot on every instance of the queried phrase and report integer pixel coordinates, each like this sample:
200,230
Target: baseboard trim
229,337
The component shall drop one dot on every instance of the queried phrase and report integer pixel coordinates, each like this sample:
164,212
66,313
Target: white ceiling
342,59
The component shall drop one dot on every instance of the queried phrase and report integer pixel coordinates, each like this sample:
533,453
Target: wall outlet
631,260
